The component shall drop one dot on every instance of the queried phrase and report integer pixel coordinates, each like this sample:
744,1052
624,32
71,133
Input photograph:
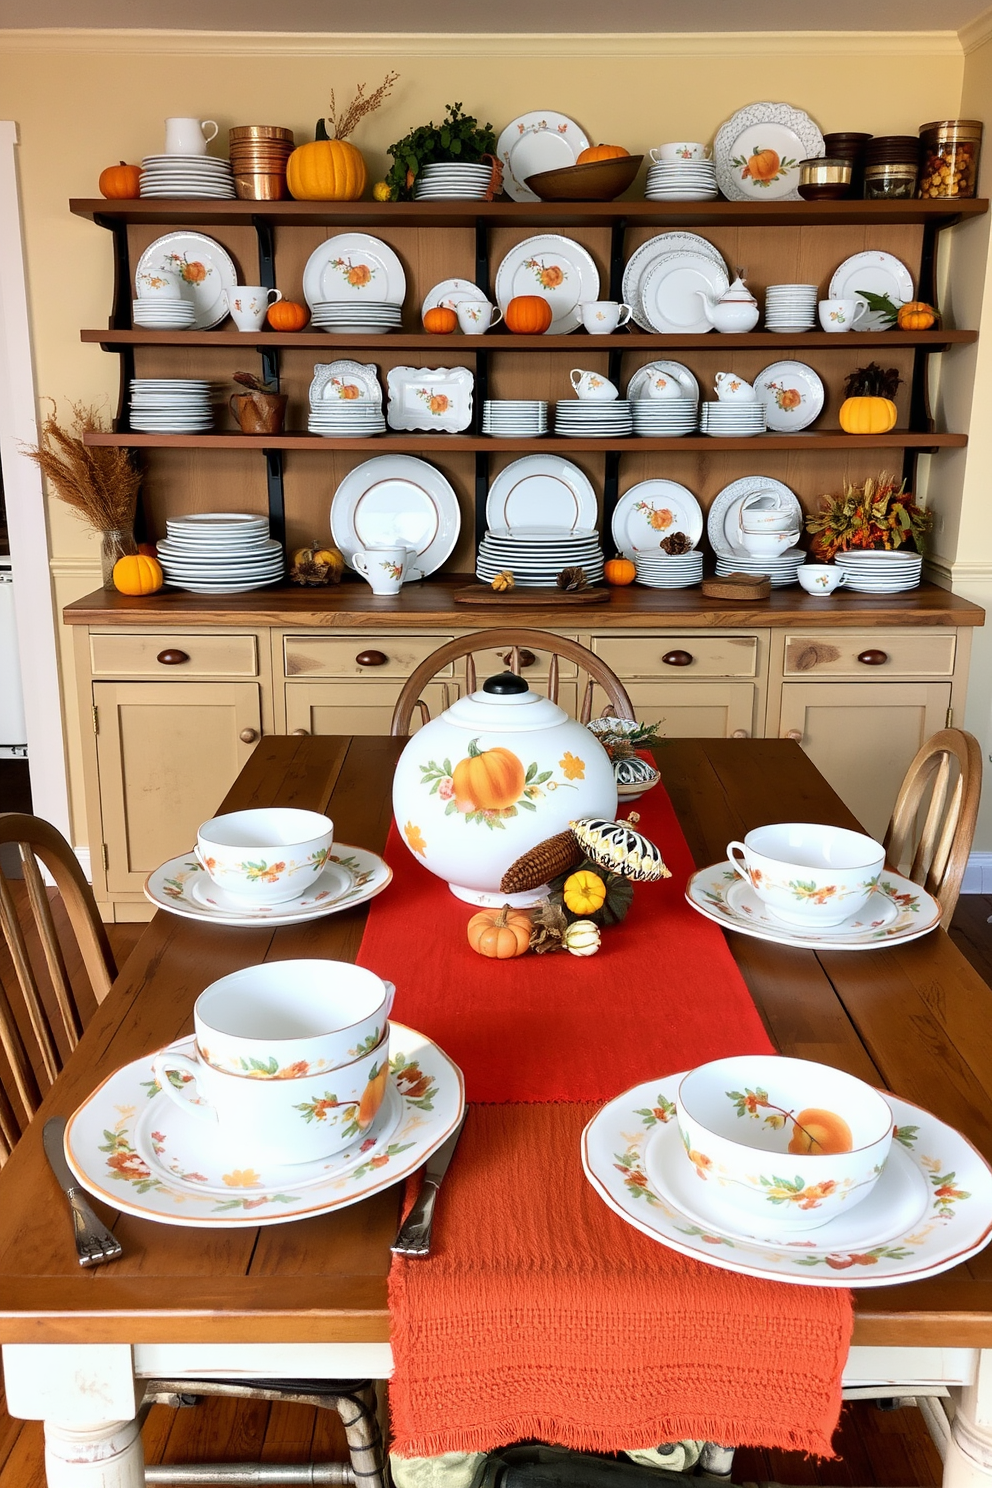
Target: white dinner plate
537,141
723,520
758,150
541,491
792,395
670,290
652,510
397,499
557,269
204,270
879,273
449,293
655,248
354,267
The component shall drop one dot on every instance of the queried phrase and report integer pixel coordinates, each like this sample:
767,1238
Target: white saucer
333,881
180,886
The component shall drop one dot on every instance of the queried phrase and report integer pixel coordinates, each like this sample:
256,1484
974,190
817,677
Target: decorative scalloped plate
746,144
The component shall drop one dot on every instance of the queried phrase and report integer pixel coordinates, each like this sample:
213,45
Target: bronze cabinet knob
248,735
677,658
371,658
527,658
873,658
796,735
740,734
172,658
300,731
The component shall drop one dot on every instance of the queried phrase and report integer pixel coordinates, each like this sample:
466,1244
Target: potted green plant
459,140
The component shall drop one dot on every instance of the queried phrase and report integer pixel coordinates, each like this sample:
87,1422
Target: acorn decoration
573,580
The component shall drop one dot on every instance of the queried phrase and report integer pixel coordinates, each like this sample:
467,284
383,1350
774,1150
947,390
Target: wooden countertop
352,605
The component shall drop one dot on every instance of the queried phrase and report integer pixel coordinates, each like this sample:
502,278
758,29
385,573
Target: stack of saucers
340,419
157,314
881,572
200,176
664,418
536,556
732,420
220,553
514,418
790,307
450,181
681,180
171,405
660,570
350,315
782,569
584,418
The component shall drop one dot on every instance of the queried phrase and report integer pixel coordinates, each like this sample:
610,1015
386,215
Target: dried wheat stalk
99,482
360,106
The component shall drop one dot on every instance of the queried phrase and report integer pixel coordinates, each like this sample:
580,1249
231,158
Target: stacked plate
164,315
170,405
373,318
536,556
582,418
664,418
514,418
660,570
681,180
732,420
881,572
782,570
220,553
341,419
790,307
449,181
200,176
664,278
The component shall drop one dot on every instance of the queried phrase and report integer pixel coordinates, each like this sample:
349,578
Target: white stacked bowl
358,419
514,418
584,418
782,571
451,181
881,572
681,180
661,570
732,420
790,307
664,418
220,553
171,405
156,314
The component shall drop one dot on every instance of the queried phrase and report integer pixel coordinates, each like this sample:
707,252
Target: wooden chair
521,648
933,820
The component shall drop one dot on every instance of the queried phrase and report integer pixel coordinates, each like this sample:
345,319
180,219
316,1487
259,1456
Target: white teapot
502,756
737,310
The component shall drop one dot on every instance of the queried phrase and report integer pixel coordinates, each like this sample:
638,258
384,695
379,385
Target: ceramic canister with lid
487,780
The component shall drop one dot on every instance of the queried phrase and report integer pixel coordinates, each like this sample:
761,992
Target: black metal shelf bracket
277,503
271,374
611,495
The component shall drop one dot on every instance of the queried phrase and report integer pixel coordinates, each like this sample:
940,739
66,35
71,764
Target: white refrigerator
13,734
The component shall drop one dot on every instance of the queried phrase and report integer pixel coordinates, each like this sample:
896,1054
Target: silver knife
94,1242
414,1238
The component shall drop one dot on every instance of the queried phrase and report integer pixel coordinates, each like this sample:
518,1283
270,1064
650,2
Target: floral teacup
809,875
730,388
842,315
265,856
664,385
157,284
680,150
475,317
385,569
600,317
592,387
821,578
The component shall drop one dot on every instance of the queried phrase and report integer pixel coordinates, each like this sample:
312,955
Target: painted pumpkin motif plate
898,911
355,267
353,875
653,510
204,270
629,1164
101,1147
792,394
758,151
555,268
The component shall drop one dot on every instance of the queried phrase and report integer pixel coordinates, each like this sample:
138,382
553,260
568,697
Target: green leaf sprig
459,137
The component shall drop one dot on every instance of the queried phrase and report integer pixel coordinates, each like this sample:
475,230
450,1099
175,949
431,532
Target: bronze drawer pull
525,658
796,735
248,735
371,658
740,734
873,658
677,658
172,658
300,731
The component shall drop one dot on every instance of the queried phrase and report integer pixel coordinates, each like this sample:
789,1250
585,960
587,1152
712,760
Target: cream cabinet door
167,754
355,708
695,710
862,736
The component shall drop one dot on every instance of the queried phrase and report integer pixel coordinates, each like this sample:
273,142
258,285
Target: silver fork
94,1242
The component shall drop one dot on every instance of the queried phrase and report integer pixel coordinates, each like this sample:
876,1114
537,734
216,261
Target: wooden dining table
310,1298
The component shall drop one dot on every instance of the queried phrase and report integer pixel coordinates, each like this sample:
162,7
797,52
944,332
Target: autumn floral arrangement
459,138
877,514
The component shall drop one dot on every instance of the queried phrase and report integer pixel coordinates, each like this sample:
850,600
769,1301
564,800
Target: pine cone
572,579
309,572
675,544
549,929
553,856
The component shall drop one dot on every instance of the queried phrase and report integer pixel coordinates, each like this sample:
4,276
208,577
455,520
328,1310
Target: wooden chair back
933,820
47,1019
521,648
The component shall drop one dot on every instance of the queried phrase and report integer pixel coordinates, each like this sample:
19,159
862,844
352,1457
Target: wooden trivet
481,594
738,586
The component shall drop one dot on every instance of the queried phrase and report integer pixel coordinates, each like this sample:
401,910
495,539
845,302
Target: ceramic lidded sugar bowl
490,778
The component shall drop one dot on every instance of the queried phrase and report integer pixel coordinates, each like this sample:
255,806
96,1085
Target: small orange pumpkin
440,320
500,934
136,573
620,571
120,182
916,316
601,152
528,315
287,315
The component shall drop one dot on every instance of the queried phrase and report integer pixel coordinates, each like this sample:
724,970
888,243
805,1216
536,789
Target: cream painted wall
83,101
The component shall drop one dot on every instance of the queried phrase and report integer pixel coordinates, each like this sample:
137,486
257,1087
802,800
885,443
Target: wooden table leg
968,1463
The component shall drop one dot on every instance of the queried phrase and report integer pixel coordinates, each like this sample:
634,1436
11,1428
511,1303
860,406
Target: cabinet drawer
205,656
338,656
710,656
887,654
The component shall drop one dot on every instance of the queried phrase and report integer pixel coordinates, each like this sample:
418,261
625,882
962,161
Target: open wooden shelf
548,444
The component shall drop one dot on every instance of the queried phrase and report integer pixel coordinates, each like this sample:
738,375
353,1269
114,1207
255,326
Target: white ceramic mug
592,387
680,150
186,136
248,304
730,388
267,855
475,317
821,578
809,874
663,385
385,568
157,284
841,315
600,317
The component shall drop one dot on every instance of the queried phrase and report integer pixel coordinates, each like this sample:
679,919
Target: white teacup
841,315
764,512
592,387
157,284
769,543
283,1121
283,1020
248,304
821,578
385,568
600,317
187,137
808,874
680,150
475,317
730,388
663,385
265,856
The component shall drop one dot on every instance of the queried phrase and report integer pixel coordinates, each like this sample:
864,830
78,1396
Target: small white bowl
265,856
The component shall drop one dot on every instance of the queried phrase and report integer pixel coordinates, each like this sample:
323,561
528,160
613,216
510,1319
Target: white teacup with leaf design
592,387
283,1020
476,317
284,1121
809,874
821,578
385,569
265,856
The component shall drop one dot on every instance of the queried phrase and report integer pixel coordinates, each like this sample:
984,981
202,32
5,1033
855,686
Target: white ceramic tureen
497,773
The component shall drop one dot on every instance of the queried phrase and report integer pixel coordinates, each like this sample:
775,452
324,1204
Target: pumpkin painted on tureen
490,778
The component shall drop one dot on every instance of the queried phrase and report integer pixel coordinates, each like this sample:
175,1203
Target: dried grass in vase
99,482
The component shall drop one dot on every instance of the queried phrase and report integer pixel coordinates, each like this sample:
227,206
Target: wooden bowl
601,180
